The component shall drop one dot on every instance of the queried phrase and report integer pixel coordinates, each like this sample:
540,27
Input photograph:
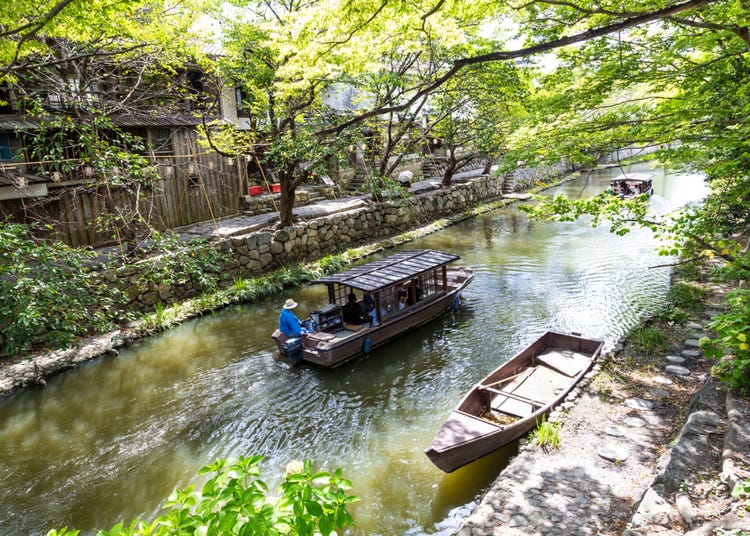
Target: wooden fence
194,186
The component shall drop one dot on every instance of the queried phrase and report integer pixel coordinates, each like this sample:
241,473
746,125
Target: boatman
289,324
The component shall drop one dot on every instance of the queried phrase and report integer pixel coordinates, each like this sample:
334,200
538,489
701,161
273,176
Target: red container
254,190
276,188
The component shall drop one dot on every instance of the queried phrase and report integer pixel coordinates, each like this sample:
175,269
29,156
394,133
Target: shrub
686,295
236,501
50,296
731,347
172,263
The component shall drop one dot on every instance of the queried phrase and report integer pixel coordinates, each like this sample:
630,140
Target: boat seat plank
510,406
510,394
544,385
568,362
459,428
527,394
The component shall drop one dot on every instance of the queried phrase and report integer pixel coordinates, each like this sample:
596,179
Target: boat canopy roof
387,272
633,177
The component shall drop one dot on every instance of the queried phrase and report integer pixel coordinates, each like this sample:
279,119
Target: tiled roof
386,272
17,122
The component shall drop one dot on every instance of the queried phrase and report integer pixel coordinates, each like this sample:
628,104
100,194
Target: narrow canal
110,440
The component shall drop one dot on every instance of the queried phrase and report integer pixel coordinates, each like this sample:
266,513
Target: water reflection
109,440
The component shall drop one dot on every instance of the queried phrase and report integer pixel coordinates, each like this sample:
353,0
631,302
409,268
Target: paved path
247,224
240,225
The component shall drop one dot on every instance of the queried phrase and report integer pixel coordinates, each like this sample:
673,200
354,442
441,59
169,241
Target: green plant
741,489
159,318
648,339
171,263
686,295
731,347
50,296
546,434
235,501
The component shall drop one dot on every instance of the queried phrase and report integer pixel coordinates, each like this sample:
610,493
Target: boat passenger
374,316
351,311
289,324
368,304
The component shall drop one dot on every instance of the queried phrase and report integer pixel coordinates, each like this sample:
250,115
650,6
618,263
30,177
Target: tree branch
460,64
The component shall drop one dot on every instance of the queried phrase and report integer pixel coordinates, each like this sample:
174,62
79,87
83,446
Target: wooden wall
195,186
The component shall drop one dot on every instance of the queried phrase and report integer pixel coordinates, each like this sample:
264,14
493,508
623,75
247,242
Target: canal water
109,441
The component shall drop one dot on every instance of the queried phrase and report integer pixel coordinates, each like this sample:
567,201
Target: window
6,150
160,140
243,103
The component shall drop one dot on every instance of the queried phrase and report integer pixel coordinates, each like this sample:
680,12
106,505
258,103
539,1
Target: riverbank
649,444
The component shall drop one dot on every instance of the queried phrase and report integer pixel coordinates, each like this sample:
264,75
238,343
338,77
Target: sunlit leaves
730,348
235,501
621,214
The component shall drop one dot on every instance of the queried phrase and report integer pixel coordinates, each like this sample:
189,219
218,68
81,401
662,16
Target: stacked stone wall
260,252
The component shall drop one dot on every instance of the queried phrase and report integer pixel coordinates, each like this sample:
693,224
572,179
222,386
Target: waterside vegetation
235,501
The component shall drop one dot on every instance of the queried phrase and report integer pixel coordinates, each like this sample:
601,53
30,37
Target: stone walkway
611,474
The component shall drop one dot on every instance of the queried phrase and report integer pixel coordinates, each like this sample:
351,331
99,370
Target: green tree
681,86
73,69
50,296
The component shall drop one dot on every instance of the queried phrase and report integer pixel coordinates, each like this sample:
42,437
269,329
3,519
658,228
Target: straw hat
290,304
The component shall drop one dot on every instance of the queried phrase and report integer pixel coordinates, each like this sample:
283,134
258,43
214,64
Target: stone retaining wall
256,253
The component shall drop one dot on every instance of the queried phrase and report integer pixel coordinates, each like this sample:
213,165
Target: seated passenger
374,316
368,304
351,311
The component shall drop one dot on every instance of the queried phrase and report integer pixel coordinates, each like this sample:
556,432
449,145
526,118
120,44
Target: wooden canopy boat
632,185
405,290
512,399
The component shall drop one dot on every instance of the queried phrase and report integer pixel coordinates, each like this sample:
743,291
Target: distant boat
407,289
633,184
510,401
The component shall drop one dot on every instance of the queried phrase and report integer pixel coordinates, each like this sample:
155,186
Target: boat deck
540,385
520,397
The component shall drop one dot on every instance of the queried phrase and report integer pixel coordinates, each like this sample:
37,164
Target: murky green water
110,440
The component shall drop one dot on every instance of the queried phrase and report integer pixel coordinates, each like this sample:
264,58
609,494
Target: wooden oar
519,398
509,378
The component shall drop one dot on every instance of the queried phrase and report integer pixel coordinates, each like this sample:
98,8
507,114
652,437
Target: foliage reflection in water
109,440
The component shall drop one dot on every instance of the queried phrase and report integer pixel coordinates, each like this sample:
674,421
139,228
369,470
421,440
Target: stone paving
610,474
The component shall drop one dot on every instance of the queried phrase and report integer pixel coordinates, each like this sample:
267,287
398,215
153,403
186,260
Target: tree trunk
487,166
286,202
450,169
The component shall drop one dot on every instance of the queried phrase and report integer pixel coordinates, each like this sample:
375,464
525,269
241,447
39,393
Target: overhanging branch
460,64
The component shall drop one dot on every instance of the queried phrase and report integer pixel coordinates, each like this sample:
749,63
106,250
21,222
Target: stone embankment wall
256,253
523,178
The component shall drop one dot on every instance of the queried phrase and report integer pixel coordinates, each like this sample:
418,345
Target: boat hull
468,435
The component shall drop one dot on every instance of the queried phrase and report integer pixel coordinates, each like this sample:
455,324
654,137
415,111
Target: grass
648,339
546,434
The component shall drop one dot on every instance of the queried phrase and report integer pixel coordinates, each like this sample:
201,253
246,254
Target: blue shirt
289,324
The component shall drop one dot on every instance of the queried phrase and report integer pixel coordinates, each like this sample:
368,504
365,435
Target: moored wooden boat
406,289
510,400
632,185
